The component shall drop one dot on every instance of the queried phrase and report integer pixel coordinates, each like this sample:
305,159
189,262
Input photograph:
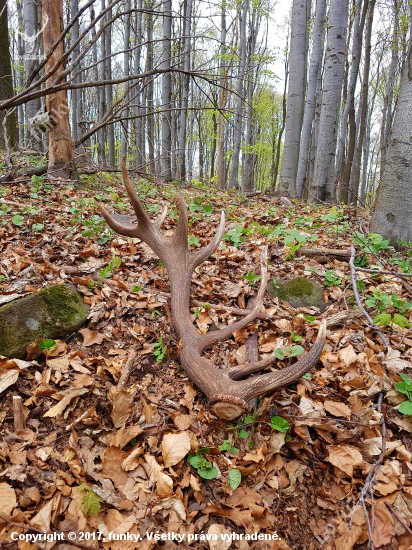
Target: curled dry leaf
175,447
7,499
61,405
220,537
8,378
91,337
336,408
345,457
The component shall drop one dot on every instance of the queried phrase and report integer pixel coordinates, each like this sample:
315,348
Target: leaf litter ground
110,427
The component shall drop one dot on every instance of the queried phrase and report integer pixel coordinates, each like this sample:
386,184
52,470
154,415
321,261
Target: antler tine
181,233
142,217
274,380
200,255
118,227
237,373
223,334
161,218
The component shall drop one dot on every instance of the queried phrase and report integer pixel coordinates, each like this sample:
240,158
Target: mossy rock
54,312
298,292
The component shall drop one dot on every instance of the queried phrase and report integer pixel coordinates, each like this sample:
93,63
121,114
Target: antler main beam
228,391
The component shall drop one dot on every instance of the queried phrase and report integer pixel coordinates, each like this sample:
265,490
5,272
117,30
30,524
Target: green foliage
48,343
235,235
331,279
310,318
405,387
107,272
391,308
372,243
18,220
227,446
334,215
251,278
160,350
234,478
288,351
193,240
279,424
91,501
136,288
295,337
202,465
197,205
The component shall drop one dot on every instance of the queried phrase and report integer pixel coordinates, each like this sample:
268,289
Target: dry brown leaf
7,499
337,408
122,401
344,457
112,466
222,536
131,462
8,378
349,539
175,447
164,485
181,420
383,529
61,405
347,355
242,518
91,337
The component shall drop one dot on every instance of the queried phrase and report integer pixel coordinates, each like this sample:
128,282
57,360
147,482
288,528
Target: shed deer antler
227,391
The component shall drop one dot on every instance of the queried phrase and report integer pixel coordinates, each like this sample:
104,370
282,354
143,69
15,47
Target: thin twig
357,299
383,272
398,517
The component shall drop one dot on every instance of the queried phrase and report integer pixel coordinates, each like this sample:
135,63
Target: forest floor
98,461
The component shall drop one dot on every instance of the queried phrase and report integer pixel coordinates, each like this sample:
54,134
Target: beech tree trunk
392,217
166,157
61,154
323,185
296,96
8,120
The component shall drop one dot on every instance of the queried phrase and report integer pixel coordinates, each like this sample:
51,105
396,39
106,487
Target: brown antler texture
228,390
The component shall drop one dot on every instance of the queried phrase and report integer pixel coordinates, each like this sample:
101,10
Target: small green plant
47,344
136,288
310,318
235,235
227,446
234,478
106,272
288,352
2,277
18,220
334,215
202,465
280,425
91,501
405,387
372,243
331,279
295,337
160,350
193,240
251,278
391,309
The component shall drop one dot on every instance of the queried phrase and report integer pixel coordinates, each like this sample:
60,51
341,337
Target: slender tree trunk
349,110
275,170
363,104
323,186
166,156
315,63
75,94
149,85
237,137
138,110
386,123
31,57
8,119
102,97
20,71
61,154
222,102
126,70
109,91
181,146
296,96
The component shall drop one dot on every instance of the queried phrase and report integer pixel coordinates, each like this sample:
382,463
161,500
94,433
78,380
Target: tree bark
166,156
323,185
8,120
392,217
61,154
296,96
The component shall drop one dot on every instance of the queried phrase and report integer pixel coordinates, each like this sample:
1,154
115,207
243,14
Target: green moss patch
298,292
54,312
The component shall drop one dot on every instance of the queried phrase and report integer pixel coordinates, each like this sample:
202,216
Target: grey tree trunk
101,96
166,155
20,71
126,70
392,217
356,50
387,102
315,63
31,52
109,91
221,177
8,120
296,96
181,158
75,94
323,185
149,86
138,110
363,108
237,134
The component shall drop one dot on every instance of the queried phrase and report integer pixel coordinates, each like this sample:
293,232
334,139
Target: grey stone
54,312
299,292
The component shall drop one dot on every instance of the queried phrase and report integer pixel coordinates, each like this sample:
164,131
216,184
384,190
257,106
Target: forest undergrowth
322,464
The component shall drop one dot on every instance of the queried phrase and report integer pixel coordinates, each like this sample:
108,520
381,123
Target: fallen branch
398,517
357,299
